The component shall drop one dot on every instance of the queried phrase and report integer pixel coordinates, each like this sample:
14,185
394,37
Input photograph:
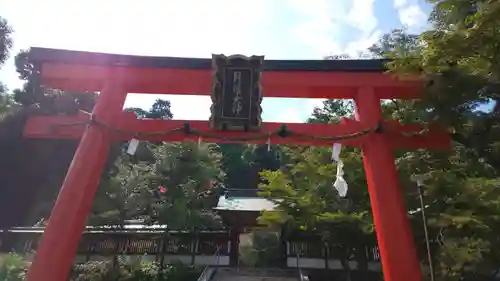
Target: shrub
133,269
12,267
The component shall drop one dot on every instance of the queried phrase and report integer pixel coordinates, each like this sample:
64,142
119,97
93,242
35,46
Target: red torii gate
114,76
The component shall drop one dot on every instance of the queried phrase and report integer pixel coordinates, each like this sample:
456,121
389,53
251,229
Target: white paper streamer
132,146
340,184
337,147
200,140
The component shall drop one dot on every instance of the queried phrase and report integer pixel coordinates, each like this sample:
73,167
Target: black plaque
236,92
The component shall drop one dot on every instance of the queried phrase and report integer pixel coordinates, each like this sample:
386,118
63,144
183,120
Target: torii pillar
68,216
394,235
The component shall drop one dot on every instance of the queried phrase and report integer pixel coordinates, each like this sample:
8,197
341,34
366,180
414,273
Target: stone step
250,278
255,274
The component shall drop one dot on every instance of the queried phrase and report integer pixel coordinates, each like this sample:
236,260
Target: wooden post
395,239
59,243
193,244
326,248
163,249
234,253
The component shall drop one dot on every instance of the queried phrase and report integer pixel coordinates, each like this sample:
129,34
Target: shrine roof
117,229
246,204
242,192
45,55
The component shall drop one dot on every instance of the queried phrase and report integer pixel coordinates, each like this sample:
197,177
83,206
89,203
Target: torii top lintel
88,71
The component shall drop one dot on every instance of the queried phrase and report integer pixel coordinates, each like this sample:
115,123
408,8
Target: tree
458,60
166,183
27,159
7,106
5,46
458,82
242,163
50,101
235,166
307,201
177,187
191,175
5,40
123,194
331,110
259,158
159,110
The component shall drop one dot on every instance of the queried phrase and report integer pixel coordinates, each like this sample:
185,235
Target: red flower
162,189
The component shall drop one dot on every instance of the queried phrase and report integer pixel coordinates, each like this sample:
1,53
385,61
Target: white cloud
192,28
288,115
323,22
410,14
297,114
362,16
188,28
353,48
318,25
400,3
312,103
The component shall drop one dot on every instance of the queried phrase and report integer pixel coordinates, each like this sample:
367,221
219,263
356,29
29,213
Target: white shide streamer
340,184
132,146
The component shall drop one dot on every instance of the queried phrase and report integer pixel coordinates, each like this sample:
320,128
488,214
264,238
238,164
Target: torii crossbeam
114,76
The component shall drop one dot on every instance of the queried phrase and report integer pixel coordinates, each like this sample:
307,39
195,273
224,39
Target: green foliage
235,166
459,59
6,103
5,40
133,270
461,193
307,201
262,249
123,194
49,101
12,267
332,109
306,197
27,159
7,106
242,163
191,173
161,109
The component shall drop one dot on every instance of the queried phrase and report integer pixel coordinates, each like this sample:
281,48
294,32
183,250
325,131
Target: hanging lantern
236,93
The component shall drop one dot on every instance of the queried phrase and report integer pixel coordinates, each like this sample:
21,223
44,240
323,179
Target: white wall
320,264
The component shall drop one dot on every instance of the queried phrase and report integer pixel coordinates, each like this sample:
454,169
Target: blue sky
278,29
